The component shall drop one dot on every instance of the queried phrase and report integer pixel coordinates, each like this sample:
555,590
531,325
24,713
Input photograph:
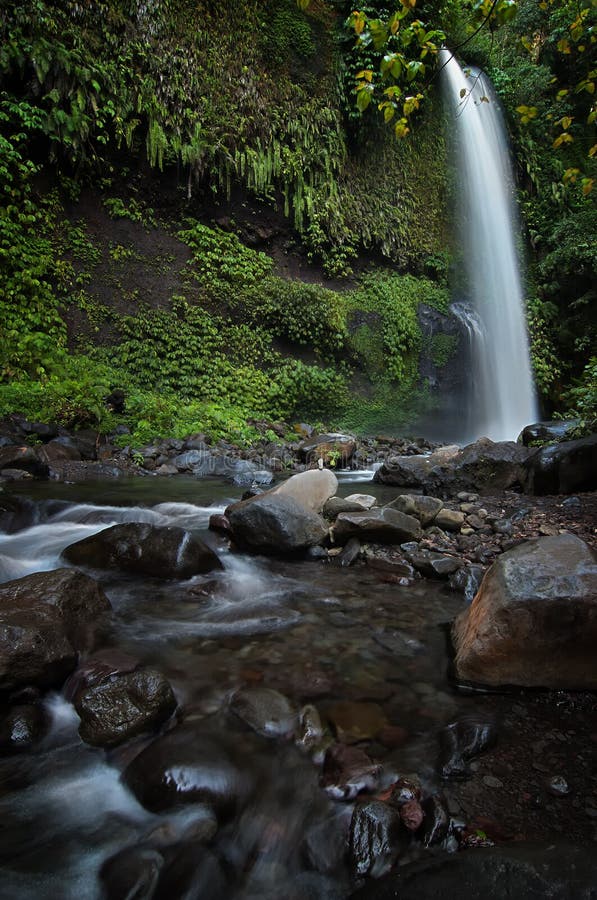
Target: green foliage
581,399
394,298
222,260
443,347
31,330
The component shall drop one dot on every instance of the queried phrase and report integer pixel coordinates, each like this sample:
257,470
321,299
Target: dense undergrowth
253,98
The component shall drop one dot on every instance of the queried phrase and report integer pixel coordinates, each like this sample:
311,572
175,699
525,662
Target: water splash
503,400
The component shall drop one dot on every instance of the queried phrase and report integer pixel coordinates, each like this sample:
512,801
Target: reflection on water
317,633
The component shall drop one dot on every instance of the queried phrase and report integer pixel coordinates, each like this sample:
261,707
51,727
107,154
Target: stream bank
368,653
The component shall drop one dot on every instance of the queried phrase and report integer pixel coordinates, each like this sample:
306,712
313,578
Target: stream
334,637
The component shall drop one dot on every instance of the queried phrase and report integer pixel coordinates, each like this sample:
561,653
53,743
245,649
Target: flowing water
316,632
502,396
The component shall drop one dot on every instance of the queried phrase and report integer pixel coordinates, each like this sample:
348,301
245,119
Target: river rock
124,706
275,524
386,526
354,721
335,449
266,711
462,741
552,430
533,621
526,872
484,465
424,508
336,505
435,565
57,450
366,501
192,766
449,519
45,618
374,838
311,489
158,551
564,468
347,771
34,648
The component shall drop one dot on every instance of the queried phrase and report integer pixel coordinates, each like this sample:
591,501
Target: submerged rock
143,549
266,711
533,621
192,766
347,771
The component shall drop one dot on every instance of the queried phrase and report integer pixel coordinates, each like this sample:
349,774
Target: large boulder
311,489
552,430
276,524
564,468
484,466
158,551
533,621
384,526
45,619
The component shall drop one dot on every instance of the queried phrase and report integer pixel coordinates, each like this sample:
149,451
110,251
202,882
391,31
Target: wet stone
347,771
374,838
266,711
124,706
437,819
461,741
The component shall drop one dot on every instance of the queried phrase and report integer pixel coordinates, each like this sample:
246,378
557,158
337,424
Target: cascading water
502,396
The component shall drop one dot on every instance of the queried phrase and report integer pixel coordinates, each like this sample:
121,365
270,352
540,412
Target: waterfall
502,396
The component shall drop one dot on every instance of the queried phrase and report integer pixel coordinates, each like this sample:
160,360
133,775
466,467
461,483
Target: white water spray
503,399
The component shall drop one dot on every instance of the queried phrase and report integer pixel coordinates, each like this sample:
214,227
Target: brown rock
533,621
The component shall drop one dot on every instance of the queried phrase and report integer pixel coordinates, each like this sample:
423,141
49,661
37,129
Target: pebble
491,781
558,786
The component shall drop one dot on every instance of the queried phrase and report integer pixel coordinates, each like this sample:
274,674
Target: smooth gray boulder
533,621
158,551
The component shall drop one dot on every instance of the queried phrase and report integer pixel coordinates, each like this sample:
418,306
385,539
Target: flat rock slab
158,551
386,526
533,621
